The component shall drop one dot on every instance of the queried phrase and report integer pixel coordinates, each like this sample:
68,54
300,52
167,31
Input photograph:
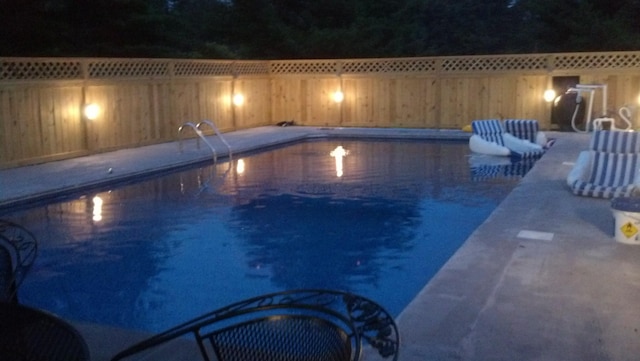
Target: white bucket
626,212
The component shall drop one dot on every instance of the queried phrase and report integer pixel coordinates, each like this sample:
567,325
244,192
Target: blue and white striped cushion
598,191
613,169
615,141
489,130
512,170
612,175
526,129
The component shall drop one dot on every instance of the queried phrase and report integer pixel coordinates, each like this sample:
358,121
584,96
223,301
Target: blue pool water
151,254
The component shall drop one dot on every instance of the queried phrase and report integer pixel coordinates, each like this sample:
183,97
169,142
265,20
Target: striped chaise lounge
609,168
615,141
489,137
527,129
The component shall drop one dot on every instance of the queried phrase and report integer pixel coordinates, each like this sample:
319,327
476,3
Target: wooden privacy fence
144,101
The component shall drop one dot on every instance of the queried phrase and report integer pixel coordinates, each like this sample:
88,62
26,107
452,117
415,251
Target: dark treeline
290,29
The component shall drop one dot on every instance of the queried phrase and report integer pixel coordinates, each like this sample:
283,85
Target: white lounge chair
605,174
527,129
489,137
609,168
615,141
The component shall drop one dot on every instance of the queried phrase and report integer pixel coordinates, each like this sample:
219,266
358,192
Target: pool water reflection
380,222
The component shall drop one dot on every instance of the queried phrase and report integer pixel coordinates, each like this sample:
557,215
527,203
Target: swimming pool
374,217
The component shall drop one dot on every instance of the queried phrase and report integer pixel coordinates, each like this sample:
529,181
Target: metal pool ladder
215,129
196,128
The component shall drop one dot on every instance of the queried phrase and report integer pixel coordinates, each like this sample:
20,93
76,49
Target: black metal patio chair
18,250
300,325
29,334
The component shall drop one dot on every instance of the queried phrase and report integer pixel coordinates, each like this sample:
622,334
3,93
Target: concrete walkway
569,292
541,279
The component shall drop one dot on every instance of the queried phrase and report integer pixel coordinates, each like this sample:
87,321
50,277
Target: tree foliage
269,29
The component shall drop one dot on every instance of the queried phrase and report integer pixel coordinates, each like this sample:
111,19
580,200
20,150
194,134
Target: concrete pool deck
541,279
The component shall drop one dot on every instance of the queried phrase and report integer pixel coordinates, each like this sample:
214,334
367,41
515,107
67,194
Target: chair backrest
8,264
489,130
18,250
613,169
30,334
526,129
615,141
282,337
300,325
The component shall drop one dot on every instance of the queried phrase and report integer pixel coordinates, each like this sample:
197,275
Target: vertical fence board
286,100
168,123
215,104
410,103
318,107
256,110
449,103
6,119
627,93
359,105
529,103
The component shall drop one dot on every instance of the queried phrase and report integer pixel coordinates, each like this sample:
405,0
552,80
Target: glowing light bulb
91,111
238,99
549,95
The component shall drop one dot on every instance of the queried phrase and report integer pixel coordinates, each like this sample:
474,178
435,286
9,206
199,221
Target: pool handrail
213,126
200,135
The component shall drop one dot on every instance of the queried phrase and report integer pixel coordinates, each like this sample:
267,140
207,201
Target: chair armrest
520,145
581,168
481,146
541,139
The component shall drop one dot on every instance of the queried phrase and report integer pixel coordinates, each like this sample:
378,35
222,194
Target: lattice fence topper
495,63
389,65
40,69
251,68
98,69
202,68
25,69
623,60
304,67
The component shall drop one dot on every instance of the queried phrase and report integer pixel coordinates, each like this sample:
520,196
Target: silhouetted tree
580,25
270,29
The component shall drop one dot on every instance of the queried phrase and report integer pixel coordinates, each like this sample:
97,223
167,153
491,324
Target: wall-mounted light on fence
91,111
337,96
549,95
238,99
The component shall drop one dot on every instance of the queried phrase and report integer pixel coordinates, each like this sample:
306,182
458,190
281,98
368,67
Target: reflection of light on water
240,166
338,154
97,209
